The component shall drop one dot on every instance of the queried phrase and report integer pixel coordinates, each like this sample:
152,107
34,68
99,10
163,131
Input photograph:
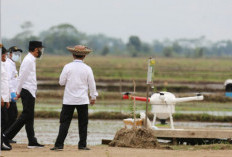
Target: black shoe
35,145
6,142
84,148
59,148
5,148
12,141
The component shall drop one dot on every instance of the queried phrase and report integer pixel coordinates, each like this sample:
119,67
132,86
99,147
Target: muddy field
46,130
106,151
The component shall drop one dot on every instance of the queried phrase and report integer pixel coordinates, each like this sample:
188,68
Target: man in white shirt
5,97
78,79
14,56
26,89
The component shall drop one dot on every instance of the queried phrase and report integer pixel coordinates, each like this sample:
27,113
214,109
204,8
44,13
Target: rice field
126,68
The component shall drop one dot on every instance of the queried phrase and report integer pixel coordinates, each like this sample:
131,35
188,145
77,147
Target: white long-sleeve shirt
12,74
27,75
5,90
78,79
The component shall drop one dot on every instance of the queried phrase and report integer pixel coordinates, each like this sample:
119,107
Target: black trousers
12,113
26,118
65,120
4,120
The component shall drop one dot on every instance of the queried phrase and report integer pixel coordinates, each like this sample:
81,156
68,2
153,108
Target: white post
154,119
150,74
147,105
171,121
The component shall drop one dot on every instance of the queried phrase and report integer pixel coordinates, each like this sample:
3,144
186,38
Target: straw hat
79,50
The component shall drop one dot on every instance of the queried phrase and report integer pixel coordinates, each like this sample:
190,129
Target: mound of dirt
135,138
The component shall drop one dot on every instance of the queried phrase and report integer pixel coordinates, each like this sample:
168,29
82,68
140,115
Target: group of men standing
78,79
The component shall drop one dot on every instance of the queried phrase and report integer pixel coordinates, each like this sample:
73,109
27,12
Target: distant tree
22,38
146,48
168,51
135,42
134,46
199,52
57,38
177,48
132,51
158,47
105,51
26,31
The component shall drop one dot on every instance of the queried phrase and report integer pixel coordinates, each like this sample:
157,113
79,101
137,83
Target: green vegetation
126,68
122,115
111,69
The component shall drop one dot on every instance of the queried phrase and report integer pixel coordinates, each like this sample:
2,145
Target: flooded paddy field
46,130
120,106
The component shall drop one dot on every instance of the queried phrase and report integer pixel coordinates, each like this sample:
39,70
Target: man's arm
10,74
63,76
26,68
2,102
92,87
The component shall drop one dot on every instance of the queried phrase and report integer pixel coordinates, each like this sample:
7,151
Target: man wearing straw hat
78,79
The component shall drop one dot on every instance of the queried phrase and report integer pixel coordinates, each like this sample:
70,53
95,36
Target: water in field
46,130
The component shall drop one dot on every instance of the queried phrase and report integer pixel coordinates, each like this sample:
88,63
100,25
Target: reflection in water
46,131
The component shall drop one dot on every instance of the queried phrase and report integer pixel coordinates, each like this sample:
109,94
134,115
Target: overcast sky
148,19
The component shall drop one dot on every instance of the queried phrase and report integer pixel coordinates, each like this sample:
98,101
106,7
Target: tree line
58,37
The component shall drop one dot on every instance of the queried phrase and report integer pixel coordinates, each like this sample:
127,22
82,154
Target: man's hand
92,102
7,105
17,96
2,102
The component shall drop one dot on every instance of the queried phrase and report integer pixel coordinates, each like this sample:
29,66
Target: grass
108,105
120,116
166,69
114,68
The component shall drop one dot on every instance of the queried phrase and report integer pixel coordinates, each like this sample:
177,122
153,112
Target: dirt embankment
135,138
127,85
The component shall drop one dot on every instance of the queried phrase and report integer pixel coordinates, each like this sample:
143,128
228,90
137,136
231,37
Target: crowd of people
80,91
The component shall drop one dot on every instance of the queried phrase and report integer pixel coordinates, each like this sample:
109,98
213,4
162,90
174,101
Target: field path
20,150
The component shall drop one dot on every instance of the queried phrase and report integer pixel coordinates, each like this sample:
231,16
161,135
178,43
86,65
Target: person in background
5,97
26,89
78,79
14,56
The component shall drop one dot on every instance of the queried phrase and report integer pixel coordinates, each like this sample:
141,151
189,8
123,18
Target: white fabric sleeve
92,85
10,76
25,70
63,76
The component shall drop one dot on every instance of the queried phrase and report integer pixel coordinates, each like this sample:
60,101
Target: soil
21,150
135,138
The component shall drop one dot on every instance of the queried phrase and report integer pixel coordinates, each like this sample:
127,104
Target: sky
148,19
